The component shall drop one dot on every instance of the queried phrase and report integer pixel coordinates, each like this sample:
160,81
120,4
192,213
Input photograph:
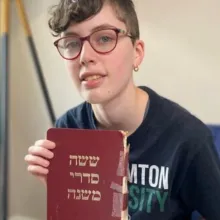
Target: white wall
182,63
183,53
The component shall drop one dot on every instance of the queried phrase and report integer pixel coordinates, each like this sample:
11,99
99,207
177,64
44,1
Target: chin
93,97
94,100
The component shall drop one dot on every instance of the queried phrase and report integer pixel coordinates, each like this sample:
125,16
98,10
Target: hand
38,159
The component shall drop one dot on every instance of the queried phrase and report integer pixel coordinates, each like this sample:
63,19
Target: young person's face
114,68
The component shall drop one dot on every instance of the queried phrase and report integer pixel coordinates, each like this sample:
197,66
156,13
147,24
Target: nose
87,54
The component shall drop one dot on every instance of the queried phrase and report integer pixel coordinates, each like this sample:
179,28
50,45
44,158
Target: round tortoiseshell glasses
102,41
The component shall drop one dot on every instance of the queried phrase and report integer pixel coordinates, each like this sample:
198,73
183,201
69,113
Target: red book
87,177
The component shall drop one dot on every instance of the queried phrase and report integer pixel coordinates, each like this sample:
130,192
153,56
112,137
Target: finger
40,151
37,170
43,179
35,160
46,144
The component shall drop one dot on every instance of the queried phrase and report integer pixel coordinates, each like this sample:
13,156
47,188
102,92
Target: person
174,168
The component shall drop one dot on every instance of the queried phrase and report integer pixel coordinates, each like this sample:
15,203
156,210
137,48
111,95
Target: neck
125,112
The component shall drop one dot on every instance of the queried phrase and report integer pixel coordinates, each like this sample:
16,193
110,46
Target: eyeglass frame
87,38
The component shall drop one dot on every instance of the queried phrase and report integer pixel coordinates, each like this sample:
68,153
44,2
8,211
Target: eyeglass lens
102,41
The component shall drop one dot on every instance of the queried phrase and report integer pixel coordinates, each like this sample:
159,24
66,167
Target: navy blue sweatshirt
174,167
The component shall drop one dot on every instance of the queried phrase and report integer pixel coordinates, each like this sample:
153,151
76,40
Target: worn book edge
124,212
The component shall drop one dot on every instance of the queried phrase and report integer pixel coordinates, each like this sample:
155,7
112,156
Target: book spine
124,213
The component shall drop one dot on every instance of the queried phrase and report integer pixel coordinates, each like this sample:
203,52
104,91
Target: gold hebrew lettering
94,178
71,191
73,157
79,175
93,161
83,160
85,194
78,197
72,174
96,195
87,175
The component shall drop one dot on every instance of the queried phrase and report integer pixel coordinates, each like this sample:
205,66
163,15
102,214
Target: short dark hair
68,12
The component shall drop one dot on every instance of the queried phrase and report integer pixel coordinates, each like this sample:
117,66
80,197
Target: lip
87,74
92,84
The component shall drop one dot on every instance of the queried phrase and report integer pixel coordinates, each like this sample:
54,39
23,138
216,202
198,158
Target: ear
139,51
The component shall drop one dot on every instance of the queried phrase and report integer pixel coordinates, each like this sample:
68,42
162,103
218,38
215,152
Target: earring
136,69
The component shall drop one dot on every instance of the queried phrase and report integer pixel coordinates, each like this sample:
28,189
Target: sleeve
201,186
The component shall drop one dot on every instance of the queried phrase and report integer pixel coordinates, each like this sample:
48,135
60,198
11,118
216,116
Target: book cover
87,177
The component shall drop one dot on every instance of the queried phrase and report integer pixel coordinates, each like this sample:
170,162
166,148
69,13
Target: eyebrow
97,28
